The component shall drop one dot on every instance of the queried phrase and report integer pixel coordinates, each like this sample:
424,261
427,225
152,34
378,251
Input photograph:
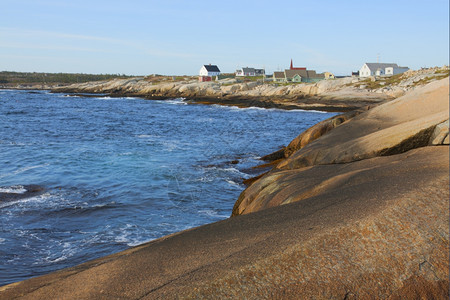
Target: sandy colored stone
394,127
415,120
440,134
316,131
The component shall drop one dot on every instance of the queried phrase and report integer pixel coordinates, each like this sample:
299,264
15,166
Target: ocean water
118,172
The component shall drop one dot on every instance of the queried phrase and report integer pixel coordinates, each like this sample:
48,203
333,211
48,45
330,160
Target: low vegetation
15,78
372,84
430,78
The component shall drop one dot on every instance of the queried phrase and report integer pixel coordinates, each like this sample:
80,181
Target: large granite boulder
415,120
316,131
394,127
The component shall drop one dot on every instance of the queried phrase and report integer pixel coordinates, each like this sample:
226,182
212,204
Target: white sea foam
37,199
204,179
131,237
177,101
127,98
67,251
24,169
50,259
71,96
231,182
236,108
212,213
170,145
126,154
228,170
2,240
15,189
147,136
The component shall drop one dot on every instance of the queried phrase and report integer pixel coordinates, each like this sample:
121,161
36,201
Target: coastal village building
294,68
207,72
250,72
300,75
296,74
380,69
279,77
328,75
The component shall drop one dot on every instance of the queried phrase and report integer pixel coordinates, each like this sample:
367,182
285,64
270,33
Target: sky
177,37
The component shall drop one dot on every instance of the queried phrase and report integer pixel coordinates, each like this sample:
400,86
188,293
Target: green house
297,78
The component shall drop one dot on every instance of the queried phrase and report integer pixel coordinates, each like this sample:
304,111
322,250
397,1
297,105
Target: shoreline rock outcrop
418,119
357,208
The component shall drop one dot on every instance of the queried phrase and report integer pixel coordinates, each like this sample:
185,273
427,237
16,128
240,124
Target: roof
292,73
320,76
278,74
248,70
376,66
211,68
312,74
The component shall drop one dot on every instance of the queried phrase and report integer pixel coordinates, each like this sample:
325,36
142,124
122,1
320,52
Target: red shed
204,78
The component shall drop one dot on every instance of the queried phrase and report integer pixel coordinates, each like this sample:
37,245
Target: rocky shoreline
355,207
337,95
323,102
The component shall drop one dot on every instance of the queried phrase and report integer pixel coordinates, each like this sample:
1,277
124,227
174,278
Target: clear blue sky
176,37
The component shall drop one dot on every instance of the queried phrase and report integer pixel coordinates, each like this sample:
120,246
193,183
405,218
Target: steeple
292,66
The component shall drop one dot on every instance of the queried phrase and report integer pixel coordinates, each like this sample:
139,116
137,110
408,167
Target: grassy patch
379,82
443,71
44,78
429,79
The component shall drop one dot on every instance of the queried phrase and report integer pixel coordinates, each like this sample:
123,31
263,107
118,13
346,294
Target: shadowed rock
30,191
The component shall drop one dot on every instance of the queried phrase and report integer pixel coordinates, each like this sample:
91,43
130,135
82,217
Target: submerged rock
21,192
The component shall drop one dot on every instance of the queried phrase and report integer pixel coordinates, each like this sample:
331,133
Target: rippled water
118,172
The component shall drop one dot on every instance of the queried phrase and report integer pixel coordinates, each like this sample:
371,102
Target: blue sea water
118,172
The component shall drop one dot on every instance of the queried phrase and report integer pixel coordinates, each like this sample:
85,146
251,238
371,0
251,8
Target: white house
209,70
380,69
250,72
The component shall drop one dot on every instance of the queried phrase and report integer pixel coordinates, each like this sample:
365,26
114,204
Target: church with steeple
293,68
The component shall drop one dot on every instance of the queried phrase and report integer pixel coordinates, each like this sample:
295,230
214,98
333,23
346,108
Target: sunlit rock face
415,120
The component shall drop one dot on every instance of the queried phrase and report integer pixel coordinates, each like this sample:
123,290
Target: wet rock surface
22,192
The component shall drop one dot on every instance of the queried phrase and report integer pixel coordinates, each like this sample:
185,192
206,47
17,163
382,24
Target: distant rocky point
342,94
